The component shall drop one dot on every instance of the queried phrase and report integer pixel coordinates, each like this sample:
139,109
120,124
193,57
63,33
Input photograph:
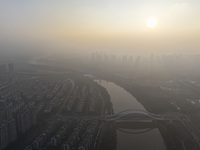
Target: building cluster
8,132
56,95
98,57
22,101
26,117
89,136
86,98
153,63
15,120
67,135
30,102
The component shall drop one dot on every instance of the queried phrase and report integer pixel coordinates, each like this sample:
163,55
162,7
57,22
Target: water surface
122,100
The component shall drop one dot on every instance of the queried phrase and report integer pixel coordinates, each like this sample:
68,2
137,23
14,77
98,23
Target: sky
101,25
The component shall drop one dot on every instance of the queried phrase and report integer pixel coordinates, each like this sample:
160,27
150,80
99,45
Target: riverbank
158,102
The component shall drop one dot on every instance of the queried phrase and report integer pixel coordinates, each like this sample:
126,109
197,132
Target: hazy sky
117,25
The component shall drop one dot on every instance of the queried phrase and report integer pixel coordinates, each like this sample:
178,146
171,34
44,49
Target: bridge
141,119
138,115
129,115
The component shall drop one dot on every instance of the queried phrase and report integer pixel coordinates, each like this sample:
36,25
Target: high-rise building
24,120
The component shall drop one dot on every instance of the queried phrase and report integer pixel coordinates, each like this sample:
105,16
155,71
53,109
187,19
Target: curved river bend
122,100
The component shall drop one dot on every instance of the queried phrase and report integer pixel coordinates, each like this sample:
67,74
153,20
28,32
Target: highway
194,132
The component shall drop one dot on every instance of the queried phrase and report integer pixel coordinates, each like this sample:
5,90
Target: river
122,100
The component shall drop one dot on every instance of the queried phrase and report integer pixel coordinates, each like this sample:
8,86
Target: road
194,132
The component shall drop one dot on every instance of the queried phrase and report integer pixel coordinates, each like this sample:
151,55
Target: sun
151,22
